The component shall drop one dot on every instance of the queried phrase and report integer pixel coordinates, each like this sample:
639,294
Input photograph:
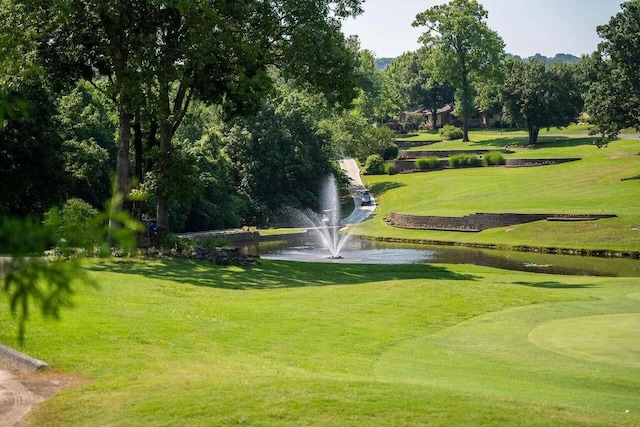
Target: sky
547,27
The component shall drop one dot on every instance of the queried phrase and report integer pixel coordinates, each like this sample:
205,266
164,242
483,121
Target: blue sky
527,27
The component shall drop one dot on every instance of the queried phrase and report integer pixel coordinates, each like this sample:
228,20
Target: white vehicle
365,198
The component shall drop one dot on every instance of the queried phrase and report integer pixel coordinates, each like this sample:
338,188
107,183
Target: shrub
374,165
179,244
71,224
211,243
390,152
450,133
428,163
493,159
390,169
464,161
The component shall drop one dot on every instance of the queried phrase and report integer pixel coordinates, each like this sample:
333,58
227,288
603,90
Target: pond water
303,248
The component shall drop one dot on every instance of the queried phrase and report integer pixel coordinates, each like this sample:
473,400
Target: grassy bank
176,342
606,180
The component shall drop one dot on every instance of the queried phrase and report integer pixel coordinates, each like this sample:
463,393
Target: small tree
374,165
536,96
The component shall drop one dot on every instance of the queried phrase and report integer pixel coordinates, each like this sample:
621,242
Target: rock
224,255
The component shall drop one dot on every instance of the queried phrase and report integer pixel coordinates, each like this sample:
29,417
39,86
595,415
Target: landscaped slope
605,181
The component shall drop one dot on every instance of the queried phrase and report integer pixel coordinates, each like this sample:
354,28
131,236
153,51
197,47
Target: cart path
20,391
360,213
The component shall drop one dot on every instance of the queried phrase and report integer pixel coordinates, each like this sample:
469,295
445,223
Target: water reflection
302,248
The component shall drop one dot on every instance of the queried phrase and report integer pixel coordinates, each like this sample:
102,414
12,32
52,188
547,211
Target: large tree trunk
465,105
434,117
137,145
533,134
164,166
164,159
171,117
122,160
136,210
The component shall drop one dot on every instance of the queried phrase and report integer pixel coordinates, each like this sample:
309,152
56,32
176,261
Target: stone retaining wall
480,221
410,144
408,165
404,154
519,163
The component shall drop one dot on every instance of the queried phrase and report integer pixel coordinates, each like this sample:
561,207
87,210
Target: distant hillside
383,63
560,57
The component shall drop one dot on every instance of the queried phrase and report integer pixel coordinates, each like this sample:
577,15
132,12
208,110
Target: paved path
360,213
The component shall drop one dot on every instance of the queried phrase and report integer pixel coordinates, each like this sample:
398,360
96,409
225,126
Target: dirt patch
622,156
20,391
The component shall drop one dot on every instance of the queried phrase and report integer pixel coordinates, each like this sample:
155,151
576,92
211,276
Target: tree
605,97
89,146
412,83
465,51
32,169
164,54
280,158
613,95
536,96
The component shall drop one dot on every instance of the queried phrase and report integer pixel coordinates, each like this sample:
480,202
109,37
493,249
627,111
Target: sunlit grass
177,342
605,180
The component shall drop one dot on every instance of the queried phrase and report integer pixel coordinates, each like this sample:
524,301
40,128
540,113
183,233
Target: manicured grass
279,231
604,181
177,342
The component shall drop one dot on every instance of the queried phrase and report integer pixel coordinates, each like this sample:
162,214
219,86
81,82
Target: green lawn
514,135
177,342
606,180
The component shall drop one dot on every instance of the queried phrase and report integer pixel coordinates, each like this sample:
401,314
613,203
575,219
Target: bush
390,169
450,133
211,243
390,152
374,165
180,245
71,224
428,163
464,161
493,159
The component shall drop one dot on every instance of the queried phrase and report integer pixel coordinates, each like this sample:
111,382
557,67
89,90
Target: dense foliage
280,157
612,75
536,96
225,127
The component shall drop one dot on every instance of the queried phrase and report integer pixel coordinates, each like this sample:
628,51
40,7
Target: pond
301,247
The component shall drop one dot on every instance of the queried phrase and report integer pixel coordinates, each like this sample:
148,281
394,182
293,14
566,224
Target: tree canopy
613,76
160,55
466,52
538,96
411,82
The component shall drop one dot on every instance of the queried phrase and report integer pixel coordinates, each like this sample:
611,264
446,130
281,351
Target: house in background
444,116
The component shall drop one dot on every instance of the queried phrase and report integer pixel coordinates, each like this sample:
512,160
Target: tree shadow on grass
274,274
382,187
501,142
544,141
555,141
553,285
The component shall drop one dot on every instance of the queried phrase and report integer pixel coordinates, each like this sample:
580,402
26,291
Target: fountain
326,232
328,228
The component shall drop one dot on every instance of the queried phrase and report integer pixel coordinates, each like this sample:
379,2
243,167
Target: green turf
177,342
605,180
